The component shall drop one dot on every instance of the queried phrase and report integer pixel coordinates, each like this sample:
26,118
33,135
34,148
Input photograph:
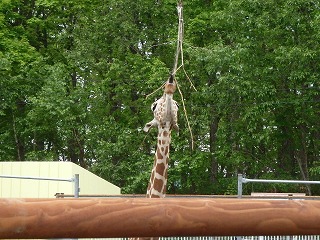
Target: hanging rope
179,53
179,49
179,39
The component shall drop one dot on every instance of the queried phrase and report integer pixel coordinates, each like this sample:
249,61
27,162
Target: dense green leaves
74,77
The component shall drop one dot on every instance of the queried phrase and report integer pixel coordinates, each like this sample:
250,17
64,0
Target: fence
303,237
74,179
242,180
124,217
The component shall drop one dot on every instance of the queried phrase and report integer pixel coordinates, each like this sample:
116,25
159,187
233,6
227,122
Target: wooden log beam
127,217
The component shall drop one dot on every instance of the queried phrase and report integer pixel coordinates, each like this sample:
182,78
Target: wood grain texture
90,218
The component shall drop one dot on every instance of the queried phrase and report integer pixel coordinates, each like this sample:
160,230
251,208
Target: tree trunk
213,139
301,155
19,144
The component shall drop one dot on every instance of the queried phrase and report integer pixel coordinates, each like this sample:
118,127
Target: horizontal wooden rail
132,217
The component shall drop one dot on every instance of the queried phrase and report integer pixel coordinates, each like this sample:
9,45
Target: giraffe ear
149,125
153,106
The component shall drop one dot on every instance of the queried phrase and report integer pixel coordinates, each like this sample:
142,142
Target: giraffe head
165,108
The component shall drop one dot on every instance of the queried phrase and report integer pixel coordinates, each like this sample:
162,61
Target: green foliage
74,76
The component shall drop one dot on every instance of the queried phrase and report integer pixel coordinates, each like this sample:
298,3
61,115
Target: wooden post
127,217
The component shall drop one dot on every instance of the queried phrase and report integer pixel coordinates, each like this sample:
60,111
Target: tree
74,77
262,62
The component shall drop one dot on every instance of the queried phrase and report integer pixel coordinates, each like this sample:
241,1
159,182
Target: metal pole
240,185
76,190
37,178
76,185
247,180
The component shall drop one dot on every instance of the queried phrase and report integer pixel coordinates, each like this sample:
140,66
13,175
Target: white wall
25,188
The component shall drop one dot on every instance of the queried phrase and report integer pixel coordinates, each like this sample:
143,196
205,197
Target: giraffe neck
158,179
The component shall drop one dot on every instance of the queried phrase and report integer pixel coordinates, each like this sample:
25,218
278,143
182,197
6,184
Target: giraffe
165,111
